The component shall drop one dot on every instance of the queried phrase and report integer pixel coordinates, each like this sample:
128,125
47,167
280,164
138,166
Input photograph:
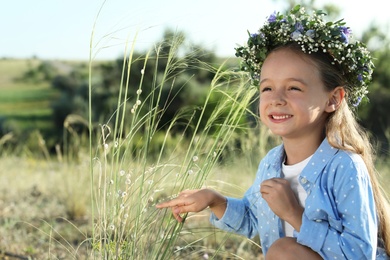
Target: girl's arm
195,201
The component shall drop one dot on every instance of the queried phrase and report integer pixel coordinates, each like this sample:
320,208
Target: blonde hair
344,132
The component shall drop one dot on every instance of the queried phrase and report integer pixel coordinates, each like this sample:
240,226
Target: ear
336,96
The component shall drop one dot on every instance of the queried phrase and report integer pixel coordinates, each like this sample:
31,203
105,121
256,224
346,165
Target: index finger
170,204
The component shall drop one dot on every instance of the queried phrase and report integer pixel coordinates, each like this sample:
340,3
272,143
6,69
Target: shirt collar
315,166
320,159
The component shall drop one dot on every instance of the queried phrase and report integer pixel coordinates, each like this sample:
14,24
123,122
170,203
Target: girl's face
293,101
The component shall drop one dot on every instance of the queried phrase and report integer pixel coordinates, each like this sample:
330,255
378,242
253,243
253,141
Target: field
53,207
46,206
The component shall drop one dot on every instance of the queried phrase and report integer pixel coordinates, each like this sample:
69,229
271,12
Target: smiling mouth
280,117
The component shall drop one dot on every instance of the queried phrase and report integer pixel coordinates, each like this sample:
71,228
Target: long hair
344,132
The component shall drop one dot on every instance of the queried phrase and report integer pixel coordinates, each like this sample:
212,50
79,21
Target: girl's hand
282,201
195,201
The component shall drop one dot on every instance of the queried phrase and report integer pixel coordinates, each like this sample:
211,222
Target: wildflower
124,194
205,256
359,99
138,102
299,27
150,182
112,227
105,146
126,215
311,34
121,172
345,33
190,172
272,17
142,71
128,181
139,91
296,35
195,158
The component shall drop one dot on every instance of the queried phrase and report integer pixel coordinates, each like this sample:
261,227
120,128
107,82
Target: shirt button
304,180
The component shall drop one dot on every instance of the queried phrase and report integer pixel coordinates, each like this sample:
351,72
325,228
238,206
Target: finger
176,214
170,203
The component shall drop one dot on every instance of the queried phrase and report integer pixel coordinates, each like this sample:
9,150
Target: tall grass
126,182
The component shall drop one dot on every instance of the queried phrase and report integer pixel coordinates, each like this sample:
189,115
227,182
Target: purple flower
272,17
296,34
360,77
345,33
311,33
359,99
299,27
254,35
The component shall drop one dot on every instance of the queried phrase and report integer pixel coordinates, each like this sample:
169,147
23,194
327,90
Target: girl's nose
278,98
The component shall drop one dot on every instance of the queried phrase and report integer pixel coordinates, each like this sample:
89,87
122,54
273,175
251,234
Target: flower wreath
312,34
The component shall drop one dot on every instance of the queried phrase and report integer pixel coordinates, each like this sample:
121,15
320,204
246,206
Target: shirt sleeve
238,218
341,222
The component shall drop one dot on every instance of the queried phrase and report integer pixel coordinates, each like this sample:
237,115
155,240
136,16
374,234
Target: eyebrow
288,79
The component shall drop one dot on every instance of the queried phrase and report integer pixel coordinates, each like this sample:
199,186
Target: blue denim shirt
339,220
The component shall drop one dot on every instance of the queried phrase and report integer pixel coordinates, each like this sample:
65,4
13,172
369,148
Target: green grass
24,105
11,69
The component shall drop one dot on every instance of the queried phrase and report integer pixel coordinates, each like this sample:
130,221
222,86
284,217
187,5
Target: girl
316,195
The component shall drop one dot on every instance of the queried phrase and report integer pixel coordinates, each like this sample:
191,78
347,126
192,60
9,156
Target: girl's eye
265,89
295,88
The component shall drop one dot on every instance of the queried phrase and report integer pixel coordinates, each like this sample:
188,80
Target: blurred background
46,47
56,56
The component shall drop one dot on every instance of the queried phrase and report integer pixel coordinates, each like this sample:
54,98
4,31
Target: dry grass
45,212
43,208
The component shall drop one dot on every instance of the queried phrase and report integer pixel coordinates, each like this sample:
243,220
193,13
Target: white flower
142,71
139,91
195,158
121,172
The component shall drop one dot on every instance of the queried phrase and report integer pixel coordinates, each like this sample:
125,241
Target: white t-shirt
291,173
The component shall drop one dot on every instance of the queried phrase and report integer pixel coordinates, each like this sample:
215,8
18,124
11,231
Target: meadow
95,198
54,207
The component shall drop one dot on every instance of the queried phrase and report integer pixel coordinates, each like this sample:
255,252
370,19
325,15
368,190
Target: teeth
281,117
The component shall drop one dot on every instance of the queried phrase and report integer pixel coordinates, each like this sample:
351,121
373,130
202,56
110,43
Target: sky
62,29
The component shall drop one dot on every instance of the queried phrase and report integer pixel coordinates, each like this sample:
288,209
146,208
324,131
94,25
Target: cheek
261,109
